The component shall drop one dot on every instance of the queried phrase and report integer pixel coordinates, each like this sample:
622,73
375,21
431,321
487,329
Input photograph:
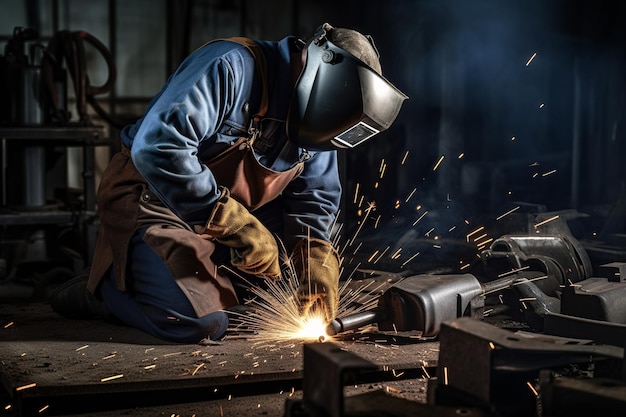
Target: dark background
535,136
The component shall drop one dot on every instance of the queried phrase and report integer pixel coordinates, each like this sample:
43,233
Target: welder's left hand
316,264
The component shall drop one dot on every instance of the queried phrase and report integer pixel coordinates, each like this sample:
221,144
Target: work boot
72,300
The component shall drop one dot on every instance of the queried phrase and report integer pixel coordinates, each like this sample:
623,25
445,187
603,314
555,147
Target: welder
233,159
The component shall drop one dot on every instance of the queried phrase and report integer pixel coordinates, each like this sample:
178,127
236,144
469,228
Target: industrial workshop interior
481,236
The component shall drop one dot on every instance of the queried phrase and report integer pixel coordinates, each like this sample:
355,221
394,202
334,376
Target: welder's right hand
253,248
316,263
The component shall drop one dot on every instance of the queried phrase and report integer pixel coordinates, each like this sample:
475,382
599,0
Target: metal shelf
31,144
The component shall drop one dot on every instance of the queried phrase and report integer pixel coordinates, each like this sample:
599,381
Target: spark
410,195
368,210
513,138
195,371
542,105
480,237
356,192
82,347
531,58
545,174
546,221
9,324
438,163
420,217
410,259
27,386
483,243
276,314
532,388
513,271
461,155
382,254
404,158
507,213
529,280
474,232
44,408
110,378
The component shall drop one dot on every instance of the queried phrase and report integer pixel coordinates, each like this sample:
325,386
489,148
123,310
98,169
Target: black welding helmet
339,101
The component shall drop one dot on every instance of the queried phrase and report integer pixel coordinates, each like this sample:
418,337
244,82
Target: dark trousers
154,303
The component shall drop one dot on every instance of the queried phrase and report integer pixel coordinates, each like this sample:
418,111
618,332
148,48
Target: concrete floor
51,365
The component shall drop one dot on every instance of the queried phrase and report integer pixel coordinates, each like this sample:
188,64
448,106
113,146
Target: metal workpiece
599,331
562,257
328,369
596,299
423,302
536,304
419,303
534,268
613,271
487,366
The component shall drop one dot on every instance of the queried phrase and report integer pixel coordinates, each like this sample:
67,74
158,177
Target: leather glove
253,248
316,263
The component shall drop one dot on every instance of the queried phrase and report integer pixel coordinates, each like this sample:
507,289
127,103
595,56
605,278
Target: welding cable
69,46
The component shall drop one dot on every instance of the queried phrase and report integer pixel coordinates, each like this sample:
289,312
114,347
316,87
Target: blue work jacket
203,108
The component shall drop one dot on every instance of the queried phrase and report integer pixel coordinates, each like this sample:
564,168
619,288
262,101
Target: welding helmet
339,101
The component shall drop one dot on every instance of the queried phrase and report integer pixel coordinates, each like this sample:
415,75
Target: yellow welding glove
316,263
253,248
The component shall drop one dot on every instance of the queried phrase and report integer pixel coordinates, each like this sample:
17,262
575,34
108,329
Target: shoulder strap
261,68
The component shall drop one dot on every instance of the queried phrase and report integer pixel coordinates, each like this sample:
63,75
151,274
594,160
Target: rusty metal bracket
571,397
327,369
483,365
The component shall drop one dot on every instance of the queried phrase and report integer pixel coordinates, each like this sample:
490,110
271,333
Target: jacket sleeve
312,199
191,108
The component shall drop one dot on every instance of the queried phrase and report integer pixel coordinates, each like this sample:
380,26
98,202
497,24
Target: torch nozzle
354,321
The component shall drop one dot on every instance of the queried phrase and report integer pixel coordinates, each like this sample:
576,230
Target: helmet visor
339,102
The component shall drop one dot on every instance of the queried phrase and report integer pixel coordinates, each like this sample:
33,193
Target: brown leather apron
125,204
